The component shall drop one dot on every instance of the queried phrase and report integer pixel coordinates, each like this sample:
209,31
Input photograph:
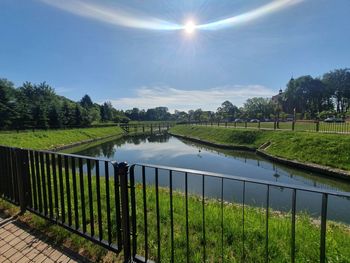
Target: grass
332,150
56,138
226,241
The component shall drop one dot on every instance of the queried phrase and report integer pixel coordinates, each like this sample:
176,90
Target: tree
54,117
227,111
338,83
6,103
258,107
106,112
86,102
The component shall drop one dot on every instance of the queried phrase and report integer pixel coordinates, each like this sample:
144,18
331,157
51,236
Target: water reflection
163,149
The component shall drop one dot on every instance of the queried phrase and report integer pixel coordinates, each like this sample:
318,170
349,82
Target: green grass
331,150
307,229
56,138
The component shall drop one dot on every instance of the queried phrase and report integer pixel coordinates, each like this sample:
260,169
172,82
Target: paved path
20,244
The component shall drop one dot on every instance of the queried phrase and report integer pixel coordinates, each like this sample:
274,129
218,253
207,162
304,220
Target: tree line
38,106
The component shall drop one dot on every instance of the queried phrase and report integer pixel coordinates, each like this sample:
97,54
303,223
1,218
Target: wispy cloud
63,90
208,99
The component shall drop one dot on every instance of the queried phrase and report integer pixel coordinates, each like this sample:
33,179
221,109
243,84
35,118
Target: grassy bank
56,138
227,240
331,150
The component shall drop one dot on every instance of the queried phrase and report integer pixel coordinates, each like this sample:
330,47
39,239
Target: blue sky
120,51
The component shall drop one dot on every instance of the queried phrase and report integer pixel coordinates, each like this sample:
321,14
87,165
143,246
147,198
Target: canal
164,149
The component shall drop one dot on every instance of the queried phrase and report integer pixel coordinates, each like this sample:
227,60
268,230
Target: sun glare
189,27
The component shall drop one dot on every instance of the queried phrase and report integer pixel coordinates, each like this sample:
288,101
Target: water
164,149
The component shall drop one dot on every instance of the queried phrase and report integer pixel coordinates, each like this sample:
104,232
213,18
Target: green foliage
325,149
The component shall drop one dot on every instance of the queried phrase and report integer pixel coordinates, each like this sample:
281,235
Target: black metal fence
67,190
165,214
312,126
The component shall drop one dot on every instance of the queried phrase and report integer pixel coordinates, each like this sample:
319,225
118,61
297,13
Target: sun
190,27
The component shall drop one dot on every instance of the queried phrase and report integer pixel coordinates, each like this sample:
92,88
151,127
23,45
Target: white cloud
208,99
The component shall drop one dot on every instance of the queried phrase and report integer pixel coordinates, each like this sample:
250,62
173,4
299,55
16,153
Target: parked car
239,120
254,120
333,119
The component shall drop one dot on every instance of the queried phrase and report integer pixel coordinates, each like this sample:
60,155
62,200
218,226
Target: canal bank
327,154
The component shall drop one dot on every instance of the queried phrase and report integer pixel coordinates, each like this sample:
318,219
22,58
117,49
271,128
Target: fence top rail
59,153
204,173
245,179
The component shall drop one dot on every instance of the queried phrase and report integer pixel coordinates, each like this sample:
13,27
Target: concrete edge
67,146
328,171
331,172
222,146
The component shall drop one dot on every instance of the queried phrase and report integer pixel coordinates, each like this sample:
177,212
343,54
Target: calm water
163,149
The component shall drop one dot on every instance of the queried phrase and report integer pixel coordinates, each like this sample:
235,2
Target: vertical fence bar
171,214
133,211
187,229
98,196
60,178
33,179
117,204
158,216
91,206
55,188
294,198
82,194
20,179
123,174
108,205
323,228
49,188
27,179
43,181
267,224
37,169
222,219
203,219
243,217
75,194
144,196
69,208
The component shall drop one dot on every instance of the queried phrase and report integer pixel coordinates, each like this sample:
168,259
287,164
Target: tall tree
338,82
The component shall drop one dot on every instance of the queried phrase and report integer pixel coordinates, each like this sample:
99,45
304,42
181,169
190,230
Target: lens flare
119,17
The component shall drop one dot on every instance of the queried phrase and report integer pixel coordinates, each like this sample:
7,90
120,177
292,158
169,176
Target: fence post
317,126
22,177
293,125
226,124
122,169
245,124
259,125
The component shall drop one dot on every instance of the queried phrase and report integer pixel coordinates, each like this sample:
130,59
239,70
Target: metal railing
146,127
66,190
311,126
152,187
158,213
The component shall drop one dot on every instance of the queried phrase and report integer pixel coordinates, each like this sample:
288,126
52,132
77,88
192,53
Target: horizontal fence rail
68,190
311,126
166,214
183,215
